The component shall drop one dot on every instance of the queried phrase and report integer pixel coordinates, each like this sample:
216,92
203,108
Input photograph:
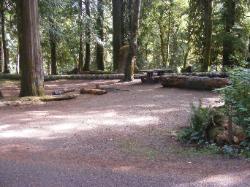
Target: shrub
202,120
208,125
237,99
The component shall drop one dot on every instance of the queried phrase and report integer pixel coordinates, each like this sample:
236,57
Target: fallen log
58,98
104,84
193,82
93,91
36,100
208,74
63,91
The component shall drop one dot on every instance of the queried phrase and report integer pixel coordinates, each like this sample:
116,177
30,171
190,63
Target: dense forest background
91,34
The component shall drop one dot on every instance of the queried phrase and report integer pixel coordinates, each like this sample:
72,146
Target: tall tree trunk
162,41
1,56
248,53
169,33
117,31
81,62
229,16
32,76
88,36
17,64
99,46
208,29
134,7
53,46
5,44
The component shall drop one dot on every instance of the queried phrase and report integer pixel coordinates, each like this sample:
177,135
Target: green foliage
202,120
237,105
237,98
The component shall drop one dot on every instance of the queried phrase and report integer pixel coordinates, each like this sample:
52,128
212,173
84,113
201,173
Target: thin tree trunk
99,46
163,48
81,62
248,53
134,14
32,76
168,35
117,31
53,55
5,45
208,29
1,56
17,64
88,36
229,16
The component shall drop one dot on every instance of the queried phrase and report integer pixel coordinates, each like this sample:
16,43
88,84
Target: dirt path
124,138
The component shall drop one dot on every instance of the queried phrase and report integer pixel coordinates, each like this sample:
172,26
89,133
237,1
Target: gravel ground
124,138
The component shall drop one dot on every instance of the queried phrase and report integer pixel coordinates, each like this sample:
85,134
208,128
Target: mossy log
93,91
193,82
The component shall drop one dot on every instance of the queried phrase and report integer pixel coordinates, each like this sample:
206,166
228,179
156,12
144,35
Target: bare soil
124,138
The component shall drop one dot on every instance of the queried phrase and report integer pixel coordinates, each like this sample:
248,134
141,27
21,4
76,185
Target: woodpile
93,91
193,82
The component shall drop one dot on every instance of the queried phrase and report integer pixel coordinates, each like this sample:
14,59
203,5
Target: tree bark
5,44
117,31
134,7
32,76
99,46
88,36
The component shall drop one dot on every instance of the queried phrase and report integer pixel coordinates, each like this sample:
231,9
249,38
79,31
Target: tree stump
193,82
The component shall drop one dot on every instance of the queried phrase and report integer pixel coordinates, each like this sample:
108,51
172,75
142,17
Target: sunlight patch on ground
24,133
231,179
52,128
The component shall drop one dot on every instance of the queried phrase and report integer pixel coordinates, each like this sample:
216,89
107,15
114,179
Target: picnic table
153,76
